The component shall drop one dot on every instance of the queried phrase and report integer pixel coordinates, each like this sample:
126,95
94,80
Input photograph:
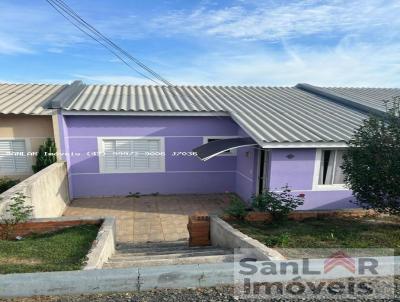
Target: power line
69,14
138,62
94,34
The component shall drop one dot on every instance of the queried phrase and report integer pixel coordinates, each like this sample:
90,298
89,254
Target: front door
262,171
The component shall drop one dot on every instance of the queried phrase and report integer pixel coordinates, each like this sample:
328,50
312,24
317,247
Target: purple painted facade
185,174
295,167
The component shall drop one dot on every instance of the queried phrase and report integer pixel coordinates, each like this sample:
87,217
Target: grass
350,233
62,250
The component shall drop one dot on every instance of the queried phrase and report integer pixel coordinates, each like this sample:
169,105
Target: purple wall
246,170
295,167
183,174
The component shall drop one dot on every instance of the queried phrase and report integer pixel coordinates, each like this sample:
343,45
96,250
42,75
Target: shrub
278,204
7,183
236,208
281,240
17,212
371,164
46,155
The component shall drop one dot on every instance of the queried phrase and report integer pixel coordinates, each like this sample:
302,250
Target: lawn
357,233
62,250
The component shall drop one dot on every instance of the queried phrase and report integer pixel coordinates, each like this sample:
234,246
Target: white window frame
100,148
232,152
317,167
28,158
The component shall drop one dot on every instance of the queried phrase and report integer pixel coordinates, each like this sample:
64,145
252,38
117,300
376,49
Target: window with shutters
13,157
130,155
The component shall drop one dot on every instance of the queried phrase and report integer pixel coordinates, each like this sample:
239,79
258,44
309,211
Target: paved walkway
149,218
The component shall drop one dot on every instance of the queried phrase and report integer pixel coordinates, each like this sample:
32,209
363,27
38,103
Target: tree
46,155
371,164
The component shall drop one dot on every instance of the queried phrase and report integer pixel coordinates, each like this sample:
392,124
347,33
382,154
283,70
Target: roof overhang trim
146,113
300,145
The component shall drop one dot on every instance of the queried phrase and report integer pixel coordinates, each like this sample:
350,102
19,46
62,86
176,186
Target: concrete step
162,244
170,254
174,261
161,250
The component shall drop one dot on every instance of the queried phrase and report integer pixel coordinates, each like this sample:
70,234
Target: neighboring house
121,139
24,125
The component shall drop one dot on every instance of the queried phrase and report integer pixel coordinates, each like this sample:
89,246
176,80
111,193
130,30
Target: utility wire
109,41
92,34
69,14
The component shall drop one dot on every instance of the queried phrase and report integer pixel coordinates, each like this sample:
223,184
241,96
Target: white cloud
268,21
11,46
345,65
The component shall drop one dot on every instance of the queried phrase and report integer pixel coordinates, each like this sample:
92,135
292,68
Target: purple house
121,139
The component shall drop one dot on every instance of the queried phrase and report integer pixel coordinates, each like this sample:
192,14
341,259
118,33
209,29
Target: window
13,157
330,172
131,155
210,139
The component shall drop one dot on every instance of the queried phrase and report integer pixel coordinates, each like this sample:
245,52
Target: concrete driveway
149,218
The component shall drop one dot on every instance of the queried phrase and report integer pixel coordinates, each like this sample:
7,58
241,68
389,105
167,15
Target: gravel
221,293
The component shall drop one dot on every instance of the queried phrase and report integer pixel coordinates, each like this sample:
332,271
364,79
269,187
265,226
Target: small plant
281,240
17,212
278,204
7,183
46,155
236,208
136,194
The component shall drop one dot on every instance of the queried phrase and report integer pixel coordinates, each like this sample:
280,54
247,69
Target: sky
242,42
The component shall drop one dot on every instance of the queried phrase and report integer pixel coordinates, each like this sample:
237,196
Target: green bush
236,208
18,212
281,240
278,204
46,155
371,164
7,183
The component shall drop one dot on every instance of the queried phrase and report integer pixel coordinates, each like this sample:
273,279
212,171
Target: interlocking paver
149,218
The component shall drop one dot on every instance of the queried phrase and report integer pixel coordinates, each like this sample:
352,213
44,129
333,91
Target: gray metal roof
26,98
372,100
268,114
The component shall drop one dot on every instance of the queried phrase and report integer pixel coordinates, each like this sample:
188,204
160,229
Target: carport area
149,218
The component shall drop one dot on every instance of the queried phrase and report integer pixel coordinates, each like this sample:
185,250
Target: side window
13,158
213,139
330,172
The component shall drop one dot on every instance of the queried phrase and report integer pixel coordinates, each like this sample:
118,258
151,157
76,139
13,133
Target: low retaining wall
46,191
224,235
46,225
133,279
104,245
301,215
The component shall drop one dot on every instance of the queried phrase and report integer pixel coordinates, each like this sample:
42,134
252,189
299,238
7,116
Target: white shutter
132,155
110,160
140,159
6,160
13,158
154,160
20,159
123,149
